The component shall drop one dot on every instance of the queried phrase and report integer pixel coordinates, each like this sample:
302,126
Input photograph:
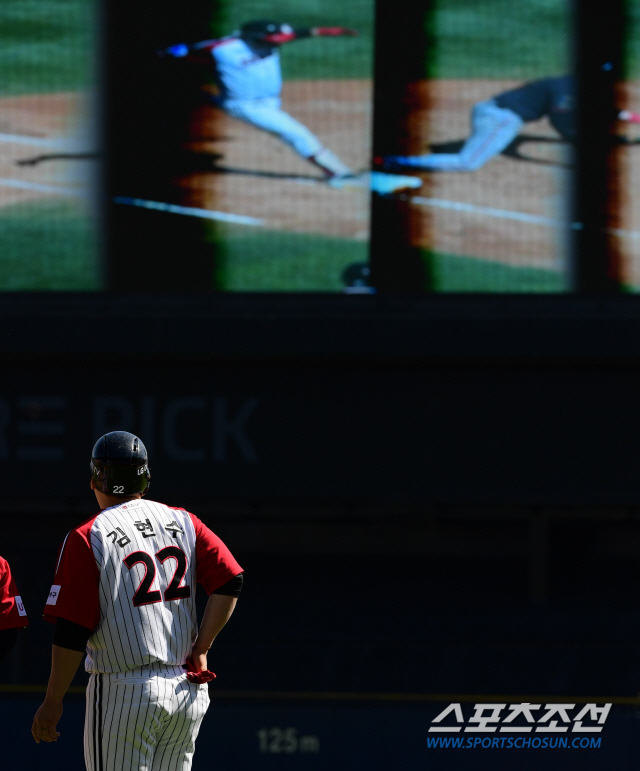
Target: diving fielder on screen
124,594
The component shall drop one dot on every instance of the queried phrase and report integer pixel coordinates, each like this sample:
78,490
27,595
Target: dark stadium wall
462,434
236,404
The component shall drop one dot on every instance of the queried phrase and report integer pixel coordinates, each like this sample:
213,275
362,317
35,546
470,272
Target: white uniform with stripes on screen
142,712
250,87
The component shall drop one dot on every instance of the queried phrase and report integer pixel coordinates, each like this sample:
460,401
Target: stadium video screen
238,146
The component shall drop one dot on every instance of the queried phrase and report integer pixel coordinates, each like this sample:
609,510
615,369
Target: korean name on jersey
129,574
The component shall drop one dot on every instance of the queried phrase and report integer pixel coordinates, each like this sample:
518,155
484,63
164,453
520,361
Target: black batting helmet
119,464
263,29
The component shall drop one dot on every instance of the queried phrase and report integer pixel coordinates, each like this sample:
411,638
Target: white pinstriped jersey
129,575
242,74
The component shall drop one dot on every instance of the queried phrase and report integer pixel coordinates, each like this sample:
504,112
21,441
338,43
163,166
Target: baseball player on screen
496,122
13,616
247,71
124,593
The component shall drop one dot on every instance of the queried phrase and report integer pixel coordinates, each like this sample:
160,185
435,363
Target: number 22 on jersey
144,595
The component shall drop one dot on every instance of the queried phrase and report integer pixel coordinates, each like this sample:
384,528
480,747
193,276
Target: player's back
551,97
146,557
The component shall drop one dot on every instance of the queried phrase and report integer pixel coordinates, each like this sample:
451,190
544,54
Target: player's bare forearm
64,664
216,614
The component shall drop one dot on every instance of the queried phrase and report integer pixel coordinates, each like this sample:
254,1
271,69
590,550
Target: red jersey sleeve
74,594
12,612
215,564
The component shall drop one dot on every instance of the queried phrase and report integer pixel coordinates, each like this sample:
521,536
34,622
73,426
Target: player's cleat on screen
348,181
331,165
387,184
377,181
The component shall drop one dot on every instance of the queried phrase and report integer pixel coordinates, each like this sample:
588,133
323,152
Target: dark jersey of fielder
129,575
12,612
551,97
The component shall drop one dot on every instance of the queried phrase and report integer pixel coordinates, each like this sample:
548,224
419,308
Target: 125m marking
277,740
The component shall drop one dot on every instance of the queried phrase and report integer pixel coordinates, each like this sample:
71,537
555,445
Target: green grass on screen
451,273
46,45
47,245
259,260
268,261
632,52
501,38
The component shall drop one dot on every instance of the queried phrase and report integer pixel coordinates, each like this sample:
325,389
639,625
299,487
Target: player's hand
45,721
196,666
199,661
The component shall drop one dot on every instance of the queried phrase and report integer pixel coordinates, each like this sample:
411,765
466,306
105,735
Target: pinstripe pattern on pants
144,720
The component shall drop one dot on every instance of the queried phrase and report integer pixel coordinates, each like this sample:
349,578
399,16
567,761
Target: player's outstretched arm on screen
333,32
64,664
216,614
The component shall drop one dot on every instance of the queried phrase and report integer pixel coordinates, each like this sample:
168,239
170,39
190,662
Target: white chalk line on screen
190,211
506,214
245,220
438,203
21,184
21,139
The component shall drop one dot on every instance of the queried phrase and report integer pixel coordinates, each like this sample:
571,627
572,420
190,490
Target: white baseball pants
144,720
269,116
492,129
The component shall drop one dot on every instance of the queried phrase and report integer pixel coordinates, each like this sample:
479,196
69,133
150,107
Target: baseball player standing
124,592
13,616
247,71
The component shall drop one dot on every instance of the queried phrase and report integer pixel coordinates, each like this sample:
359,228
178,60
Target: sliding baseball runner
124,594
496,122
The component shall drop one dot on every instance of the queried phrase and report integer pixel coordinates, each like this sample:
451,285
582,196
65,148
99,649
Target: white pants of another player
144,720
492,129
269,116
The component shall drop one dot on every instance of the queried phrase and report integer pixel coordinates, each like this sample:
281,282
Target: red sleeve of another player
12,612
74,594
215,564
